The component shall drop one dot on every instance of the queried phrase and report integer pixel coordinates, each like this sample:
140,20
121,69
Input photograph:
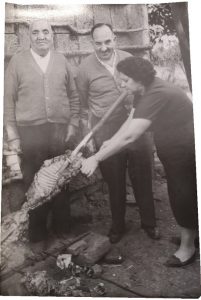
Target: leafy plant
160,18
165,53
166,50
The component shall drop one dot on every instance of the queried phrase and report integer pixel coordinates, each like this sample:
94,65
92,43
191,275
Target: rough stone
97,271
77,248
97,246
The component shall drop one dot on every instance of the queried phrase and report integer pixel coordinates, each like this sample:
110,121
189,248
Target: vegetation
165,53
160,18
163,35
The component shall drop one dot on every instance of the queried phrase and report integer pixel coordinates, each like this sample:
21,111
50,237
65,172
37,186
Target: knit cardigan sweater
98,89
33,97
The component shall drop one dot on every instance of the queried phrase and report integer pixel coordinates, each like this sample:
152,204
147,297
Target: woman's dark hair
137,68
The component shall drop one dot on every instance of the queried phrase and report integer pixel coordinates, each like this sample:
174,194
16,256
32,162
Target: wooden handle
87,138
109,112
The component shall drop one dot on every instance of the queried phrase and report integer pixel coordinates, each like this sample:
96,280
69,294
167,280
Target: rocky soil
141,273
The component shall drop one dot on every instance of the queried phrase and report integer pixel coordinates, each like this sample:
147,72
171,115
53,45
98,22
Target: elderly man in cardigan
41,115
99,86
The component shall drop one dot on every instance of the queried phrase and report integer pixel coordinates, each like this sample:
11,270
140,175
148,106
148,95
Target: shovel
88,137
58,172
48,182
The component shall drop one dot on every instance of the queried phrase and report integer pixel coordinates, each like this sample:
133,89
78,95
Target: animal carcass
48,182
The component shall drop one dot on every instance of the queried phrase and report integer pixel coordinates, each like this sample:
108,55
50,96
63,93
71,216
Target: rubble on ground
73,283
76,269
48,182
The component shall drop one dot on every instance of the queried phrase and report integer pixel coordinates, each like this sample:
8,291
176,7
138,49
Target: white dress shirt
42,61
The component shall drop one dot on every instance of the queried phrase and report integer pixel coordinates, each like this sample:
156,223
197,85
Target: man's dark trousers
114,173
39,143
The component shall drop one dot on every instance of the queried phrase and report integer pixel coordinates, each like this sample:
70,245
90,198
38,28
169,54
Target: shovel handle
109,112
87,138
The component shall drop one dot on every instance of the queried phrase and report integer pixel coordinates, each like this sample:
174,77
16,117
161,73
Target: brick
77,248
97,246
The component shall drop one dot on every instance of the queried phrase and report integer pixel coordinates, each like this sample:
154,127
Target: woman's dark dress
171,113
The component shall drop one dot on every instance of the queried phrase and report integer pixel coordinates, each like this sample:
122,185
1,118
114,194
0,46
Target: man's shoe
153,233
115,237
175,262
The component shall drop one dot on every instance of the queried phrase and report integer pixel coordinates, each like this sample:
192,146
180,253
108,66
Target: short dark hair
98,25
137,68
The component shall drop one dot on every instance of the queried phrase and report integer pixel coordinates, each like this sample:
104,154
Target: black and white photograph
99,155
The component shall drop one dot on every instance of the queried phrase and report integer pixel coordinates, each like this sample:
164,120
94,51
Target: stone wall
71,26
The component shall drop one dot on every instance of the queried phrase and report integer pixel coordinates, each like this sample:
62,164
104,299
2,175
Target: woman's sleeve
150,106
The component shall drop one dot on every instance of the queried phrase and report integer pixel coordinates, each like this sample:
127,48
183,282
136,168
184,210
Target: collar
106,65
39,57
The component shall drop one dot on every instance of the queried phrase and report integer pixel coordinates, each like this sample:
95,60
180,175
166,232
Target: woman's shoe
177,240
175,262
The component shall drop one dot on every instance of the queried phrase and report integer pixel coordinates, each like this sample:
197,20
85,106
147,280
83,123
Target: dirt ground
144,257
142,273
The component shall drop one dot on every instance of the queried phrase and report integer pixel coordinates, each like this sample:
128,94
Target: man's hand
89,165
14,145
70,139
